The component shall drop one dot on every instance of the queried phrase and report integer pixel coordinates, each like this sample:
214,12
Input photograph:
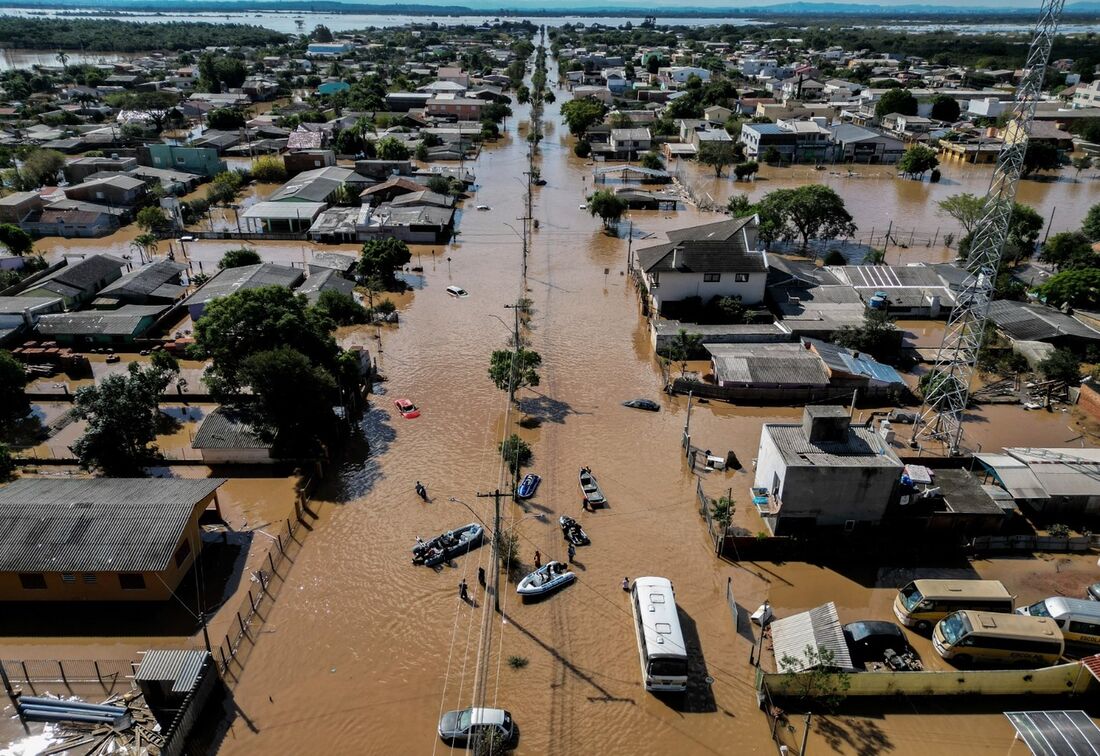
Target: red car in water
407,409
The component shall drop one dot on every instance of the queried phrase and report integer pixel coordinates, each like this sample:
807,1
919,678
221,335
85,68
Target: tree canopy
965,207
122,414
1068,249
608,205
381,258
391,148
155,105
896,101
1090,227
1077,288
114,35
918,160
813,211
237,258
512,370
877,336
581,114
1061,365
18,241
717,155
1042,156
945,108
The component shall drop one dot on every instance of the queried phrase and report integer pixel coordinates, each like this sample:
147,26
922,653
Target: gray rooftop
863,448
1033,322
231,280
125,321
85,274
781,364
96,524
181,667
145,280
228,428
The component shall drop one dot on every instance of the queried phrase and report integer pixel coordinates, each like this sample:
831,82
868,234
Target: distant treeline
126,36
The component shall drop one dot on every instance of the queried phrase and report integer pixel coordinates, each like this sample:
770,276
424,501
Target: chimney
825,424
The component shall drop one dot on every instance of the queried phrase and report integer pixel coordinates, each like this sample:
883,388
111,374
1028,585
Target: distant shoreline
782,15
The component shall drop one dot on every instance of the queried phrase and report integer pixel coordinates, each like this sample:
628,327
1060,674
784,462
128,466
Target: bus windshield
668,667
954,627
1039,610
910,596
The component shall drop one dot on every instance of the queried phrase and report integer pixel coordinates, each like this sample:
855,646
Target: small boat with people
573,532
545,579
527,487
446,546
593,494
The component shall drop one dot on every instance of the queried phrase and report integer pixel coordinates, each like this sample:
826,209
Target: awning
1056,733
1014,475
817,628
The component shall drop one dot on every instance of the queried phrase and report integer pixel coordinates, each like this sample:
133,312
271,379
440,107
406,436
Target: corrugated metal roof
1014,475
817,628
181,667
228,428
95,524
863,448
230,280
1030,322
781,364
1063,472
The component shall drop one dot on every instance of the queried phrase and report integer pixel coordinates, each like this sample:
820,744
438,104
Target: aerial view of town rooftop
434,378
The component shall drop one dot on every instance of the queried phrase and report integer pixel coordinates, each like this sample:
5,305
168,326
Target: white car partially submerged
462,726
457,291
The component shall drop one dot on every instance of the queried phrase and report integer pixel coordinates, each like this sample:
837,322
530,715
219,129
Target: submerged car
407,409
643,404
869,640
457,291
462,726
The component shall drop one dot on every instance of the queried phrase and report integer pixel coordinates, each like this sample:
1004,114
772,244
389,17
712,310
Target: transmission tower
948,388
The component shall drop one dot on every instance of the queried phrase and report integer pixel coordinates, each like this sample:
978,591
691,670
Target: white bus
1079,619
660,640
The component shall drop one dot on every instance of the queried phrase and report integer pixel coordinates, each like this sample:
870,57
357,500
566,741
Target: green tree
918,160
809,212
608,205
814,675
18,241
13,380
1077,288
145,245
1041,156
153,220
1068,249
721,511
256,320
122,414
717,155
772,156
381,258
238,258
742,171
945,108
511,370
340,308
966,208
225,119
40,167
391,148
739,205
349,142
516,452
1024,227
685,347
321,33
1061,365
1090,227
835,257
523,94
652,161
268,170
581,114
7,464
155,105
878,336
582,149
896,101
294,400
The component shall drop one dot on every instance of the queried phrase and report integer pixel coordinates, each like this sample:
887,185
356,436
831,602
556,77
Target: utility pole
630,248
496,496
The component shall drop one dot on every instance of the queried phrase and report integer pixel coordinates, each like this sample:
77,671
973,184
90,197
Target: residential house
78,170
230,436
100,539
70,223
120,191
717,114
681,74
390,189
800,88
231,280
16,206
341,263
1061,484
325,280
453,75
792,140
603,94
299,161
289,217
203,161
629,143
456,107
824,472
856,144
76,283
402,102
721,259
159,283
320,185
100,328
415,224
912,291
1087,95
1025,322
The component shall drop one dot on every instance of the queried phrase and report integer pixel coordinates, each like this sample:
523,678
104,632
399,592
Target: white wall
677,286
769,462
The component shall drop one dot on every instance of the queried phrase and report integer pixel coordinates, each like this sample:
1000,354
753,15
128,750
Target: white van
1078,618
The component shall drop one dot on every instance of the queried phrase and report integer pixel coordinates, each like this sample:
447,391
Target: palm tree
62,57
145,245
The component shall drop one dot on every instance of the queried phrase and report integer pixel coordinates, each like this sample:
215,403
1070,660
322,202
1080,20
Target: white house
824,472
722,259
1087,95
680,74
987,107
229,437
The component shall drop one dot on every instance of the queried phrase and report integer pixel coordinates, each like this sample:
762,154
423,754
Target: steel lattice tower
941,415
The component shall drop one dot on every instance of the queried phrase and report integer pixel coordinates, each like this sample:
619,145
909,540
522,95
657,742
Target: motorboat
573,531
528,486
593,495
546,579
446,546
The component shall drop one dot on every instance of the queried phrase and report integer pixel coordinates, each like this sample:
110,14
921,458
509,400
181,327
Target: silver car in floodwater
462,726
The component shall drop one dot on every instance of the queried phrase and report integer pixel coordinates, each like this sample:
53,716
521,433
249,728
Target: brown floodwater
363,651
366,650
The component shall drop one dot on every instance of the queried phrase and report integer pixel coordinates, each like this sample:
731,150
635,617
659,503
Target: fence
1079,544
106,672
248,235
702,200
232,650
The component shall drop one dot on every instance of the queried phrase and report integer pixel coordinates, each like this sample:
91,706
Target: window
90,578
182,553
712,277
32,581
131,581
68,577
1084,628
741,277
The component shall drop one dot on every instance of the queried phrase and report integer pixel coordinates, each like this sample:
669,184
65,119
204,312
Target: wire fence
106,672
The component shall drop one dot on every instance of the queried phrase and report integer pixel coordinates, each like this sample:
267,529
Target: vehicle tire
924,626
962,660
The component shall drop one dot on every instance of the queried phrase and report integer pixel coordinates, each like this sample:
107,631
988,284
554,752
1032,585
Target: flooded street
363,651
